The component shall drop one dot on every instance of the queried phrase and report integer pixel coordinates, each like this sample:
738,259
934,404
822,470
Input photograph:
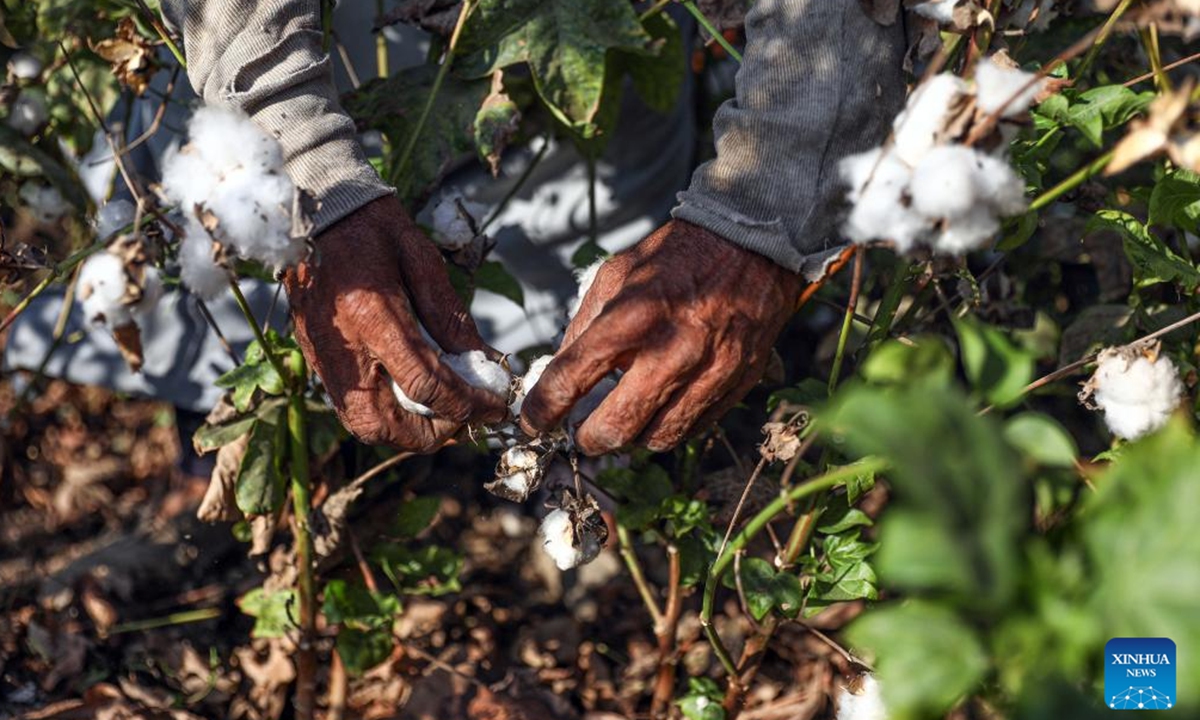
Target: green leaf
1175,201
766,589
356,606
248,377
492,276
960,502
495,125
428,570
261,483
417,514
214,437
1139,532
565,43
858,486
393,106
362,650
995,367
894,362
586,254
702,701
272,612
1104,108
927,658
839,516
1041,438
1153,262
853,582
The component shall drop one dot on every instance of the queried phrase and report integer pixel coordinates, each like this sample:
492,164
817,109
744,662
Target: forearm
819,81
265,57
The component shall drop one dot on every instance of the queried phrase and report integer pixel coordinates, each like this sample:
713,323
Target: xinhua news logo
1139,674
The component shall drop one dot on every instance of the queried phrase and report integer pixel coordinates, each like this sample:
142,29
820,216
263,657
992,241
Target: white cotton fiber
866,705
916,128
878,188
1000,185
198,268
27,114
233,170
102,286
560,543
410,405
44,201
964,233
526,382
1136,393
996,85
941,11
943,183
114,216
584,278
451,228
475,367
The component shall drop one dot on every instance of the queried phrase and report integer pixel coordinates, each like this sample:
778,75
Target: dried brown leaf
220,500
131,56
129,342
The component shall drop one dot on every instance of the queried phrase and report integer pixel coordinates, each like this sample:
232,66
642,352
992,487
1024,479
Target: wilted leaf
272,611
782,443
220,500
131,56
129,342
261,484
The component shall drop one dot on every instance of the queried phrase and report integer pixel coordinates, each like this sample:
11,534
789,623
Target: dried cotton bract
924,188
230,182
115,288
866,704
1136,387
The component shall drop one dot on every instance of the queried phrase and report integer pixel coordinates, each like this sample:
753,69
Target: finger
717,410
437,305
641,392
676,418
607,344
387,424
605,285
415,366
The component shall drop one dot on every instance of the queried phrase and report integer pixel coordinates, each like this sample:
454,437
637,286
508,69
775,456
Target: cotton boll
474,367
943,182
526,382
102,284
925,115
584,278
113,216
561,544
410,405
152,292
996,85
254,215
27,114
967,232
941,11
1137,391
186,178
44,201
866,705
24,66
518,474
227,139
198,267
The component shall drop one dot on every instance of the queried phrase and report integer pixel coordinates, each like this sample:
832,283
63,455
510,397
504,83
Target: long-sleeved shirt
819,80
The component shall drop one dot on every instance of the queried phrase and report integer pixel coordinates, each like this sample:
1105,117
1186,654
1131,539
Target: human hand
359,303
689,316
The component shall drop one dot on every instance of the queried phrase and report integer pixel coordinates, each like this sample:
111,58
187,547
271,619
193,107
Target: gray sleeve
265,58
819,81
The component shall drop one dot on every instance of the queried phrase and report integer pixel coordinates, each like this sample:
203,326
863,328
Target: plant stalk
306,659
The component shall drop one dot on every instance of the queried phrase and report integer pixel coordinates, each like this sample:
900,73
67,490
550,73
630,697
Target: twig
306,659
737,510
664,684
1102,37
338,686
639,579
179,618
212,323
512,191
848,320
711,29
1165,68
258,333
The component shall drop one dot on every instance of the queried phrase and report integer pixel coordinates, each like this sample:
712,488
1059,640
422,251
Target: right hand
359,302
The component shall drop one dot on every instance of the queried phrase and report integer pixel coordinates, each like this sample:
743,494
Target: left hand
689,316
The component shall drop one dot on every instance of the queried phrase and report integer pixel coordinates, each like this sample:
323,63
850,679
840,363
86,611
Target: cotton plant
230,183
925,186
1136,387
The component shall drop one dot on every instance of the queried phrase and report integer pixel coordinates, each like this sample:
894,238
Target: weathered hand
689,317
359,303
